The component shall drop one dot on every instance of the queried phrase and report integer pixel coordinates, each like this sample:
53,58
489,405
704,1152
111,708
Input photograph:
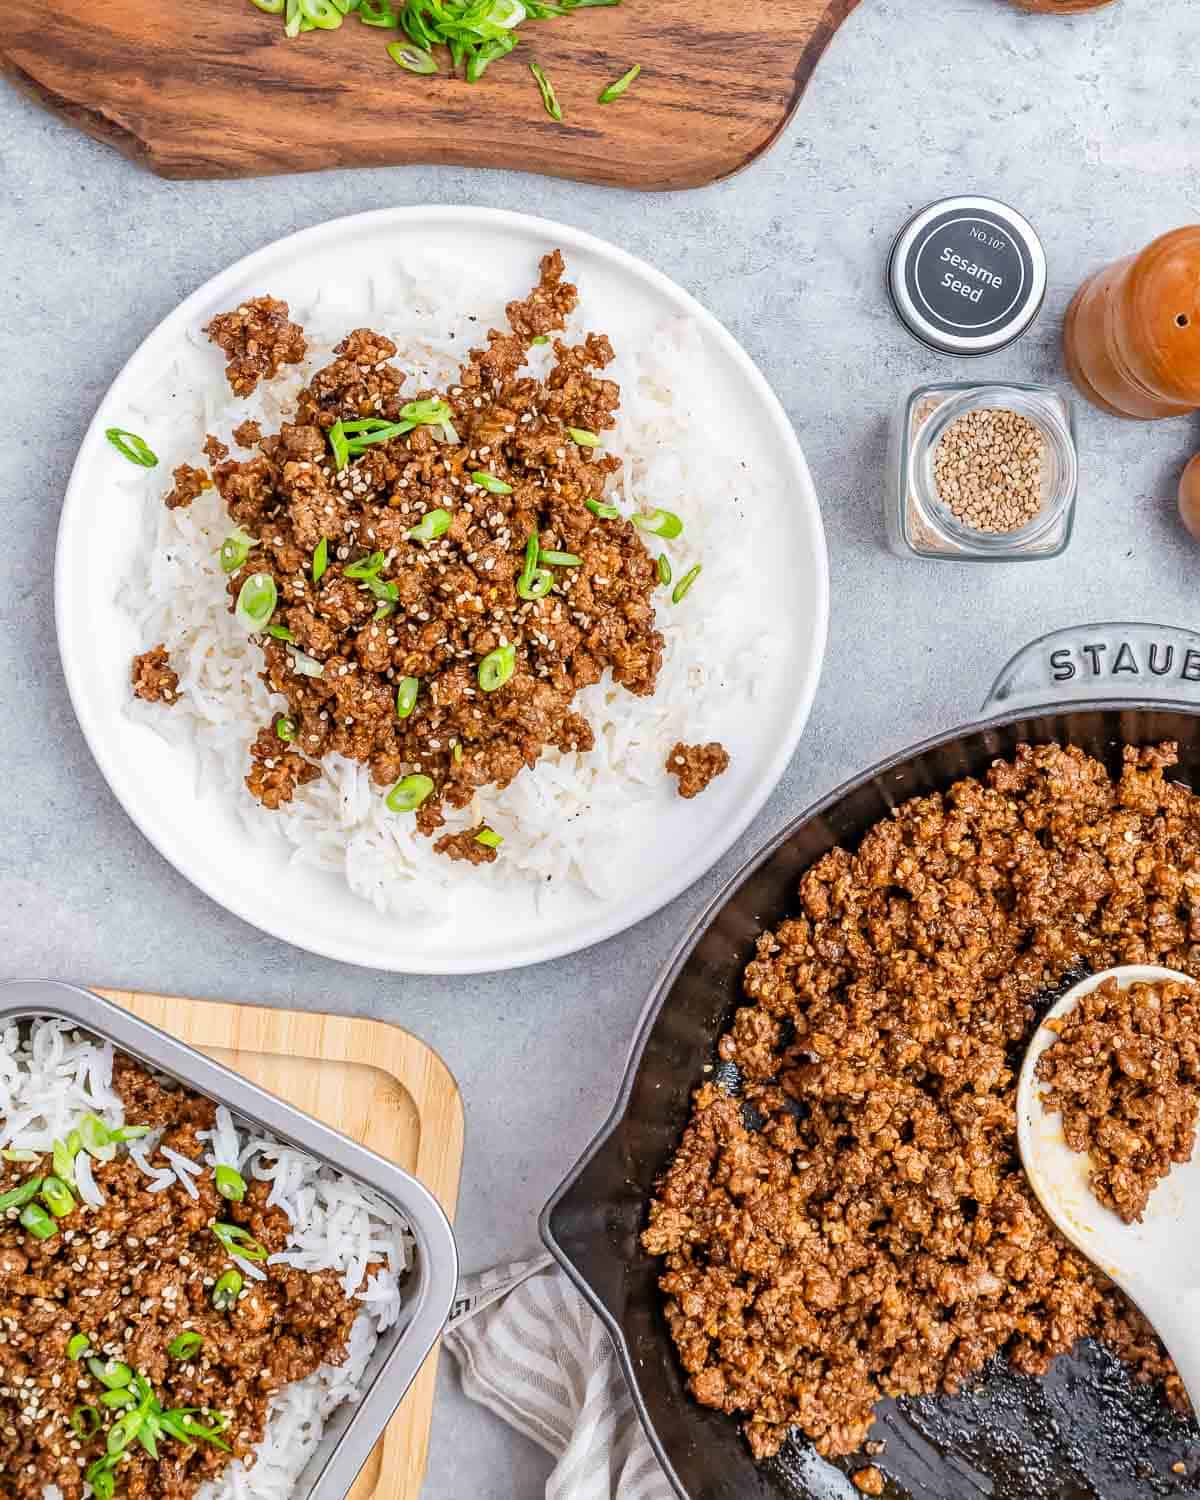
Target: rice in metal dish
166,1273
574,821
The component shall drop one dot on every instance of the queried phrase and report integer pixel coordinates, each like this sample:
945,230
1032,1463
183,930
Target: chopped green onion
489,838
583,437
64,1161
497,667
429,413
230,1182
546,89
78,1345
18,1196
96,1138
562,559
366,424
408,794
280,633
664,568
38,1222
122,1433
456,752
132,447
113,1374
185,1344
490,483
320,559
272,7
306,666
539,338
227,1290
664,523
86,1422
293,20
126,1133
121,1397
147,1433
387,608
532,548
18,1156
285,729
182,1423
617,88
256,602
685,584
366,567
406,696
433,524
322,13
100,1477
341,448
235,549
57,1197
535,585
238,1241
415,59
377,13
605,512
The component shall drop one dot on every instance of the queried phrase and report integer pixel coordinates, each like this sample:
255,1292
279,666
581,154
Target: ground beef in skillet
433,609
697,765
257,338
132,1276
153,678
466,846
189,483
1125,1075
246,434
865,1228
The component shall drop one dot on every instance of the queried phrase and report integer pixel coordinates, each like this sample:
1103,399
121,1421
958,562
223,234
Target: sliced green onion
546,89
489,482
561,559
685,584
119,1398
532,548
366,567
147,1433
539,338
285,729
489,838
387,608
280,633
605,512
433,524
185,1344
664,523
415,59
18,1196
456,753
238,1241
96,1138
113,1374
664,568
322,13
64,1161
78,1345
100,1477
377,13
227,1290
272,7
183,1421
306,666
230,1182
122,1433
235,549
497,667
256,602
128,1133
366,424
406,696
86,1422
341,448
320,559
618,87
408,793
57,1197
18,1156
293,21
429,413
583,437
132,447
38,1222
535,585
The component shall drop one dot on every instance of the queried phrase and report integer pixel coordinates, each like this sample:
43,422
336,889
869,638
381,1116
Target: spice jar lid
967,275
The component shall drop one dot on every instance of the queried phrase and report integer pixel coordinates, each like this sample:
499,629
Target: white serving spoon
1155,1263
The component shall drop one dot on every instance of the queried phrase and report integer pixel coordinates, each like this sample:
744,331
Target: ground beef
246,434
499,470
697,765
189,483
214,449
275,769
153,678
869,1480
466,846
853,1222
1125,1075
131,1276
257,338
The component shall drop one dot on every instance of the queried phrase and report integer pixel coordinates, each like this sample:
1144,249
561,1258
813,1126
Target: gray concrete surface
1086,124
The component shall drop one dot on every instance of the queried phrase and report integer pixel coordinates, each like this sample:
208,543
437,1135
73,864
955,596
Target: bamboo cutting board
371,1081
214,89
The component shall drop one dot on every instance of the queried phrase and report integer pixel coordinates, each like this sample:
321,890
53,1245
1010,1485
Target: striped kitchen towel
530,1348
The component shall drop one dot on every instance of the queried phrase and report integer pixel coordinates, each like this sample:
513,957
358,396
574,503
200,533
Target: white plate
99,533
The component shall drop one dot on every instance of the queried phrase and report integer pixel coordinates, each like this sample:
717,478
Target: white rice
566,825
51,1076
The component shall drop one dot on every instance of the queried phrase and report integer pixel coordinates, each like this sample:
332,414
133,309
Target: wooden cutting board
371,1081
212,88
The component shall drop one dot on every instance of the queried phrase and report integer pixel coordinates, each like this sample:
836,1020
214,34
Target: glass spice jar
1008,463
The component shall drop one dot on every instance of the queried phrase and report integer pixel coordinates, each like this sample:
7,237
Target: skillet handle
1104,662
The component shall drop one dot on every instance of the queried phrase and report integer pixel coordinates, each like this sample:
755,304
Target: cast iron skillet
1083,1433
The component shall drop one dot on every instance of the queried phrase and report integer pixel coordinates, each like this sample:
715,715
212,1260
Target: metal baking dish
353,1430
1084,1432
